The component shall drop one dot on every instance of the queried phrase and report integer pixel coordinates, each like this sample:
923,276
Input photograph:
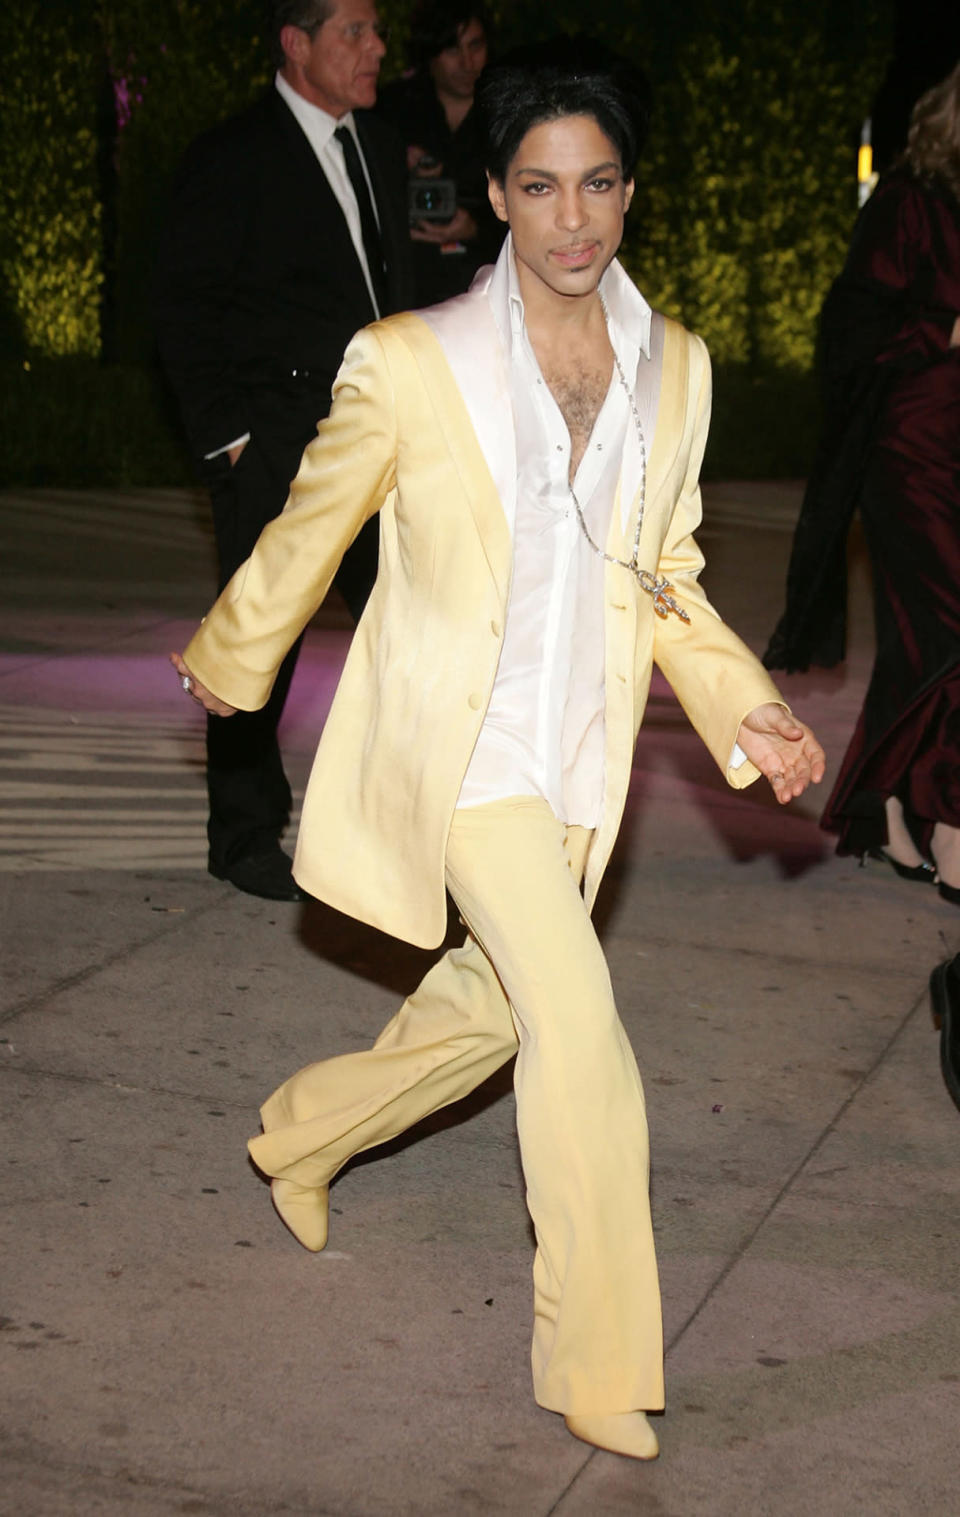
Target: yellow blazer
420,669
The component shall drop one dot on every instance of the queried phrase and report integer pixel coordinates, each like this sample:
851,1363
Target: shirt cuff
228,445
737,757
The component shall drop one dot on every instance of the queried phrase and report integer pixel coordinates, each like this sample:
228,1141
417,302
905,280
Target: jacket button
495,628
474,701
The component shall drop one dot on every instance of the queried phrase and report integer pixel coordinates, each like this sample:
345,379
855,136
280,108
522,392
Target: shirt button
474,701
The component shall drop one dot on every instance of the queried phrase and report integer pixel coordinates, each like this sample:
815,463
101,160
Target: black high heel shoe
945,1004
924,874
949,892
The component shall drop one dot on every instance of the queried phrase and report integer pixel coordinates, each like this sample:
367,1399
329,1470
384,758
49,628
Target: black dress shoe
945,1000
267,872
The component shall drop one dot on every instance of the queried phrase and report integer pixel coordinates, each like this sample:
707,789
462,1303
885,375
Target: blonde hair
933,142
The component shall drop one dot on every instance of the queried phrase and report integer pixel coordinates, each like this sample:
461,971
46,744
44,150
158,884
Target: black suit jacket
258,287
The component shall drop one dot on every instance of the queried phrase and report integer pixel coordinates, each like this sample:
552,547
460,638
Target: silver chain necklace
655,585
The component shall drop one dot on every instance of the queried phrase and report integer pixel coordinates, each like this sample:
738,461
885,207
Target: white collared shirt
318,128
543,732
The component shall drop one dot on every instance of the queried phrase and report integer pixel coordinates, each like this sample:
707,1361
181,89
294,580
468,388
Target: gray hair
308,15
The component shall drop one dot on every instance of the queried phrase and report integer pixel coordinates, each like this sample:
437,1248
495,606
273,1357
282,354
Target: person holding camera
451,225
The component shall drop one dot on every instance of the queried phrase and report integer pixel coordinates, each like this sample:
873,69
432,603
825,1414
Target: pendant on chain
655,585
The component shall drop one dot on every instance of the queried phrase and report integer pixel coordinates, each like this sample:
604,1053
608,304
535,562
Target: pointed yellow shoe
626,1433
304,1209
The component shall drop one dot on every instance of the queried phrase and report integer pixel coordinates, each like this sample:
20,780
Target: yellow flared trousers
531,979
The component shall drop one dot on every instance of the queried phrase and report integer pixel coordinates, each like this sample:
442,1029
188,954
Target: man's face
337,67
456,70
565,198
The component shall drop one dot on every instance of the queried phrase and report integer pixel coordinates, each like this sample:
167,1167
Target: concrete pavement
166,1347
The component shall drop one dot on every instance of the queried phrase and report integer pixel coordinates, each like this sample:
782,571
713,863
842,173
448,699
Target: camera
431,199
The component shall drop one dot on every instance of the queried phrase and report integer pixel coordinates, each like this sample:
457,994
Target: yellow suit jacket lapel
475,464
662,454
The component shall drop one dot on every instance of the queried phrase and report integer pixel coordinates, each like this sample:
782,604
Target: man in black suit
288,232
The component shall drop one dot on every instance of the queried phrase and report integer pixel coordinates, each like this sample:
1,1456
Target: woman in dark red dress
890,352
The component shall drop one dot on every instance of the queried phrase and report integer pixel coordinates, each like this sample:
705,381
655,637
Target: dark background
745,202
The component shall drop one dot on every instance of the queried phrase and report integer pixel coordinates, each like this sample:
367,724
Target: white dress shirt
543,733
318,128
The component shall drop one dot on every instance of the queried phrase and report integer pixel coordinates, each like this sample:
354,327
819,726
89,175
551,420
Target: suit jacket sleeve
346,473
194,285
715,676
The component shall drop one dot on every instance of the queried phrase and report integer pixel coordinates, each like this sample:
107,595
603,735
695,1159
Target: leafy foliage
748,194
745,196
72,421
51,265
176,67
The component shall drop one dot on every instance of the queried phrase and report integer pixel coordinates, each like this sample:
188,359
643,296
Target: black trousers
248,791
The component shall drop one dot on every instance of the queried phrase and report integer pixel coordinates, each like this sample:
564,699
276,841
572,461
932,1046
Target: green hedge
764,425
77,422
743,209
51,202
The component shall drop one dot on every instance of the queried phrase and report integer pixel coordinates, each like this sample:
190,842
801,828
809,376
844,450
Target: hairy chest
579,393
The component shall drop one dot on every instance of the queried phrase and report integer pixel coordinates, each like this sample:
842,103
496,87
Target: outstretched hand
200,693
783,749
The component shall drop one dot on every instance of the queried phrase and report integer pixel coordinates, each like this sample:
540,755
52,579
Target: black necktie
368,221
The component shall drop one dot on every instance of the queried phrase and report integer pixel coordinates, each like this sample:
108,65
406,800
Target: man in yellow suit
533,450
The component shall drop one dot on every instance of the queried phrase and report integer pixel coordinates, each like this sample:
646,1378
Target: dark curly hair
568,76
436,25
